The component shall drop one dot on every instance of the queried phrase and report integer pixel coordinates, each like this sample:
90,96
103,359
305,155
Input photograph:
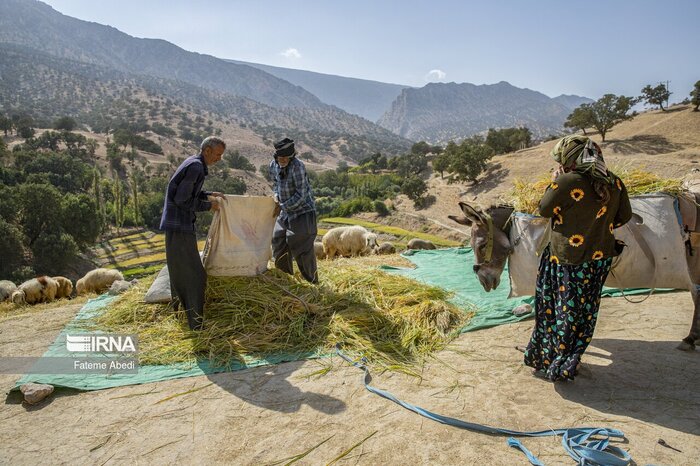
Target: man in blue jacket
295,228
184,197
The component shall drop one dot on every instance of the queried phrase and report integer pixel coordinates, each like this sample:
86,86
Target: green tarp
146,374
446,268
451,269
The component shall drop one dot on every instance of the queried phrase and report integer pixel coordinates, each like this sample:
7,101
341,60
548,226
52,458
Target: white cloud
291,53
435,75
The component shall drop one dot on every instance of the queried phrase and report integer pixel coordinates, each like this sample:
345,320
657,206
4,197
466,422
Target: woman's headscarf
585,154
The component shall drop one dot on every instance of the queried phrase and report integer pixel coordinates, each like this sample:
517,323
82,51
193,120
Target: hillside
36,25
366,98
47,87
440,112
665,143
46,56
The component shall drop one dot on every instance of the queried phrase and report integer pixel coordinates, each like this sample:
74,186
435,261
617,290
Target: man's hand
277,210
220,195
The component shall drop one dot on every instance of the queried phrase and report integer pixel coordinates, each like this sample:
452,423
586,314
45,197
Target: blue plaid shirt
292,187
184,195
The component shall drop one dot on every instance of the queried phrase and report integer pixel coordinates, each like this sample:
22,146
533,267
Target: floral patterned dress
572,271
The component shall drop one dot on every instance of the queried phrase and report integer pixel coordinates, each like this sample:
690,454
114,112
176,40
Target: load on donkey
663,248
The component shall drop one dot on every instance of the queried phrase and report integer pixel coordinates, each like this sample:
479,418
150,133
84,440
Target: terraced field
135,254
143,253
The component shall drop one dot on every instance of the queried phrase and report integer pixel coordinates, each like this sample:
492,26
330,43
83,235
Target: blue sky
556,47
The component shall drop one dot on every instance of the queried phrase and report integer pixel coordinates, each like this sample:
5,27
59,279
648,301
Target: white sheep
6,289
318,250
65,287
37,290
385,248
417,243
348,241
97,281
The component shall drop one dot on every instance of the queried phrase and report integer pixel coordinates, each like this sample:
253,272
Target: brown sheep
65,287
417,243
385,248
37,290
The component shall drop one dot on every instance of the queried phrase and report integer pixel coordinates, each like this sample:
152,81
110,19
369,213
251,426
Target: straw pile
393,321
525,196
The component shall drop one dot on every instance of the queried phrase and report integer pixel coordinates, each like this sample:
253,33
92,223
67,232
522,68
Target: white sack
660,233
240,237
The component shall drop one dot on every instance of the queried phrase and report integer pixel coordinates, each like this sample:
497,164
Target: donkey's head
489,240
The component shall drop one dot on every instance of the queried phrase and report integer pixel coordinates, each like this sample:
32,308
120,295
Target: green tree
11,248
5,124
40,210
581,118
411,164
610,110
468,159
421,147
25,132
82,218
695,96
65,123
656,95
414,188
441,163
53,251
507,140
237,161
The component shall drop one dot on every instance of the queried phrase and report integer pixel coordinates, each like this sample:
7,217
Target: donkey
659,253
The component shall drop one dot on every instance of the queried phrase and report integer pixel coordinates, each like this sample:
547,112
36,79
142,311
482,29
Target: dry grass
392,320
525,196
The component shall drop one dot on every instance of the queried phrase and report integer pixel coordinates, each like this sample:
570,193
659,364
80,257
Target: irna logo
101,343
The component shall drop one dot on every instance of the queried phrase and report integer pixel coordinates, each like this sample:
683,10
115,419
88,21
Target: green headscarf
581,151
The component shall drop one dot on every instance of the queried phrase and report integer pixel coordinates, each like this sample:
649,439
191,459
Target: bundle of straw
394,321
525,196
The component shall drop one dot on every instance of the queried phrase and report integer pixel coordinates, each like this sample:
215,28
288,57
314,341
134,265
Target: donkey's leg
693,338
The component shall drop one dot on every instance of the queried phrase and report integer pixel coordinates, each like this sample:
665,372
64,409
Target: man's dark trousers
188,278
294,239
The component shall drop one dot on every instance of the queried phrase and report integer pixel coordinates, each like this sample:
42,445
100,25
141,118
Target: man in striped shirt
295,228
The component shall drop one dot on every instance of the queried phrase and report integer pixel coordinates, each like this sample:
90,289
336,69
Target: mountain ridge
364,97
439,112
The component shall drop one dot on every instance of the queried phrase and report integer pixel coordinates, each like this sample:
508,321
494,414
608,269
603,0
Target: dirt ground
633,379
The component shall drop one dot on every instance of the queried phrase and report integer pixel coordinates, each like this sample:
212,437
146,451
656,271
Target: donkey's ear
474,214
460,220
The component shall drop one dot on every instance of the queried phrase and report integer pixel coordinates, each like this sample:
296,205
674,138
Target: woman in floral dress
585,202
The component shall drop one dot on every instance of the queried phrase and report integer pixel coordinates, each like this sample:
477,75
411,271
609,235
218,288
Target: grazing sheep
97,281
385,248
65,287
6,289
416,243
37,290
348,241
318,250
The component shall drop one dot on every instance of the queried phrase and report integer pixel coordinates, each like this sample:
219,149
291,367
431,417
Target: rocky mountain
37,41
366,98
46,87
572,101
36,25
439,112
